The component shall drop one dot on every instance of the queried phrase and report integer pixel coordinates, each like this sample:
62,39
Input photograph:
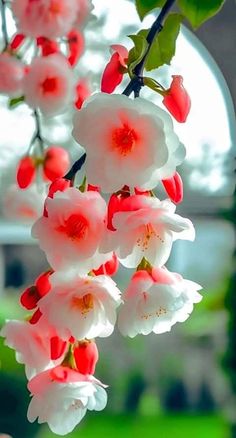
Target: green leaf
15,101
137,52
145,6
198,11
163,47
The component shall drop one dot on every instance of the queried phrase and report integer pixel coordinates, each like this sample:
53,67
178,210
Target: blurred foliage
163,426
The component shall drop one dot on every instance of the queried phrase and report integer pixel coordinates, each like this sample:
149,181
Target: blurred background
172,385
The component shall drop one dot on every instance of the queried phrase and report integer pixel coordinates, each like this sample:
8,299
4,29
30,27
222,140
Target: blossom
47,18
56,162
70,235
26,172
24,205
86,356
174,188
114,71
85,8
75,45
32,344
146,227
83,91
82,307
48,47
49,84
154,303
62,396
12,72
127,141
177,100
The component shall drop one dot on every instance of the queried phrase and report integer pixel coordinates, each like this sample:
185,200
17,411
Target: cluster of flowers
47,82
131,148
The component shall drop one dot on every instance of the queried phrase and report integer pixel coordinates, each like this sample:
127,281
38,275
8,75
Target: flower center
84,304
55,7
124,139
147,235
75,227
49,85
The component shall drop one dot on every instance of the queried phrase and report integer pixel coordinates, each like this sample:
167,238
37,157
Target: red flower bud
56,163
174,188
83,91
109,268
58,347
29,298
92,188
58,185
26,172
114,71
16,41
42,283
35,317
76,46
48,47
86,357
177,100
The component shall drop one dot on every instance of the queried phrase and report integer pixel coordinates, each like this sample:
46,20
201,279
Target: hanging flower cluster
131,150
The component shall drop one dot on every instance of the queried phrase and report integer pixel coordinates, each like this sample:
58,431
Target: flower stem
38,134
4,24
137,83
75,168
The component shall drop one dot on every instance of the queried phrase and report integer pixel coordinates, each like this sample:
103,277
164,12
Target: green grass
164,426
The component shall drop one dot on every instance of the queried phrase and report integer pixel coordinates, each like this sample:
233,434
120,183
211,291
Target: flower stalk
136,83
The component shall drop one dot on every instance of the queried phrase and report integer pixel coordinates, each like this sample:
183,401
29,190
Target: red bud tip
86,357
109,268
177,100
26,172
58,347
29,298
43,284
56,163
174,188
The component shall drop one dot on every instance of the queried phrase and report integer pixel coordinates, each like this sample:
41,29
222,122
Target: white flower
47,18
155,303
127,142
32,344
85,8
12,72
49,84
61,397
84,307
72,232
146,227
24,205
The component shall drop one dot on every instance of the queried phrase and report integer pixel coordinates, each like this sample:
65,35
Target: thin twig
136,83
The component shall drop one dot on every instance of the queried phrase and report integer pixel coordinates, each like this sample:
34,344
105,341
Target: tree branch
136,83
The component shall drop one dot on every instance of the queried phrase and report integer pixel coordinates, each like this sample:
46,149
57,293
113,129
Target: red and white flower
132,139
82,307
47,18
12,72
154,303
73,230
49,84
24,205
61,397
146,227
32,343
85,8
